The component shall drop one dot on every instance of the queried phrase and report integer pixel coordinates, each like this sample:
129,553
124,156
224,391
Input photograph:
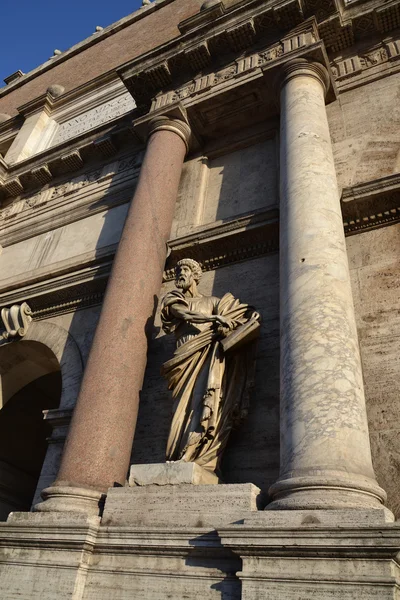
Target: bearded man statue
211,374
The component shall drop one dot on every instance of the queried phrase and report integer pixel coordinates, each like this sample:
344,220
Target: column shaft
325,449
99,442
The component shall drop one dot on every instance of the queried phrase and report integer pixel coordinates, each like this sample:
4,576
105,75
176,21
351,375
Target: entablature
371,204
236,90
81,281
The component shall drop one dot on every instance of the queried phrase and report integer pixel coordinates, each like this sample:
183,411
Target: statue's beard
183,283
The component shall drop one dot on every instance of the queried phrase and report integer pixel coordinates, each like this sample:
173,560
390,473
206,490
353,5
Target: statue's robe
210,389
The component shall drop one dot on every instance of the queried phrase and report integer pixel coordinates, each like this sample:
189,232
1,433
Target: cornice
371,205
205,41
339,24
157,80
242,238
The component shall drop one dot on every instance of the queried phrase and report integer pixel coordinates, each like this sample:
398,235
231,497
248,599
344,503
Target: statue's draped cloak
210,389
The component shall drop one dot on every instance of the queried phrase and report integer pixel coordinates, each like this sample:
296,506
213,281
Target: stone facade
261,139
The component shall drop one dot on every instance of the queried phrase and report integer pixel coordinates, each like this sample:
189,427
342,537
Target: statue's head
187,271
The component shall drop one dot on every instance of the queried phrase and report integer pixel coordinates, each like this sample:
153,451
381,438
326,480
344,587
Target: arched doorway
30,383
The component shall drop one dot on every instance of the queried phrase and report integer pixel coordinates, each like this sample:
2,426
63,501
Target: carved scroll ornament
16,320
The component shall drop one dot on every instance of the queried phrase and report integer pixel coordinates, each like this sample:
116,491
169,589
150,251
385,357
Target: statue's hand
224,325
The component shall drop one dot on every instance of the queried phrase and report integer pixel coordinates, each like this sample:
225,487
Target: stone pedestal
183,505
325,449
172,473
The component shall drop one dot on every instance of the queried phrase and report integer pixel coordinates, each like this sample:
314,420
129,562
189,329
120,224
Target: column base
329,491
69,499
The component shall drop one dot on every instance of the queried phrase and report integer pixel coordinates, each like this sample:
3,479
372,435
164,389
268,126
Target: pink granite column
99,442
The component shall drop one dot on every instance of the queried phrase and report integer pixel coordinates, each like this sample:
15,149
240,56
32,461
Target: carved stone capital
300,67
178,126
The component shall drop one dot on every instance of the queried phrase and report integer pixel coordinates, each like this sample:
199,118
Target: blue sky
32,29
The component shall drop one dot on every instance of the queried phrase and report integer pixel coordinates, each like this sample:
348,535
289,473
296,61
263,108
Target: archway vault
30,367
58,351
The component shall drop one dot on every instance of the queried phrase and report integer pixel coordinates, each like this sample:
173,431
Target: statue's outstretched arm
181,312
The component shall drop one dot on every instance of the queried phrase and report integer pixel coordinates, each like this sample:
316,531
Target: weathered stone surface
375,269
318,518
172,473
325,449
365,153
181,505
315,561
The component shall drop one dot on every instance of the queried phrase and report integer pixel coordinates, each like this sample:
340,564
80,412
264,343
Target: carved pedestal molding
99,442
325,449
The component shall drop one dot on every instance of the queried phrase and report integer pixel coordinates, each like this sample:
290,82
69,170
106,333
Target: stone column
325,449
99,443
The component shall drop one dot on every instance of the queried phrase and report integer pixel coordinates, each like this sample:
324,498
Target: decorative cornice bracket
16,321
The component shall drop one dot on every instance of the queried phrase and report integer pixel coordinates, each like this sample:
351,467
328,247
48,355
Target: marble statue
212,371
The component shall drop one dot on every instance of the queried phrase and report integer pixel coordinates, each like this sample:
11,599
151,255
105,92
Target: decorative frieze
145,83
241,66
11,209
37,199
349,67
127,166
